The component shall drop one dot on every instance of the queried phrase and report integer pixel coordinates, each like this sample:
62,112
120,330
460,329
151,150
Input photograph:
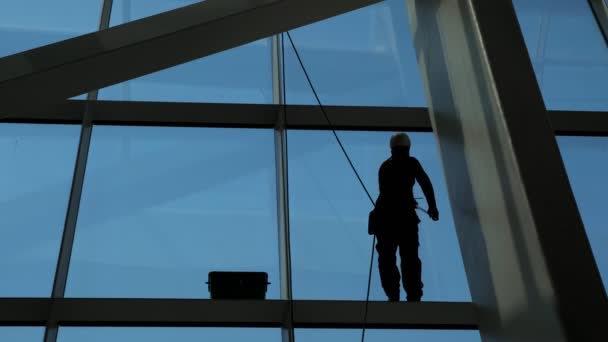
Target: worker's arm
427,188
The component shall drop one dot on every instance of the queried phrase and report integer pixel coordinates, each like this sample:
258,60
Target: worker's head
400,145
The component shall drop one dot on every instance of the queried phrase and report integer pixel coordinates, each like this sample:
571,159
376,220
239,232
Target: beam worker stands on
394,220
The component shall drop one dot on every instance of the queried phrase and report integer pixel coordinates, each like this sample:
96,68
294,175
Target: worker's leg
411,266
387,265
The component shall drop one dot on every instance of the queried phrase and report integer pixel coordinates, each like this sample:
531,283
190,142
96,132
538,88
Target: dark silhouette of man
395,222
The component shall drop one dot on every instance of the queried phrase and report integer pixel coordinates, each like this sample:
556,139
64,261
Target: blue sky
159,210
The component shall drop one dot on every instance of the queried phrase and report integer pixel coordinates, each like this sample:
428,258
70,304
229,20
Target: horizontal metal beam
24,311
268,313
385,315
256,115
82,64
225,115
579,123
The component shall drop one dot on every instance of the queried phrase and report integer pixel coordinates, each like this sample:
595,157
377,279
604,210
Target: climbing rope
350,162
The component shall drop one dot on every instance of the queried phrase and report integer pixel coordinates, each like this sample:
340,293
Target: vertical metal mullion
600,11
69,231
280,135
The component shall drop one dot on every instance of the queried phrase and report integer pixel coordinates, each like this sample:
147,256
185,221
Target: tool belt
381,220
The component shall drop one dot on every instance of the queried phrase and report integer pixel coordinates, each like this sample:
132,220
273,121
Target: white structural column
528,261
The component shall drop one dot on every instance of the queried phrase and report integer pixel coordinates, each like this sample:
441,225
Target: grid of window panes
163,206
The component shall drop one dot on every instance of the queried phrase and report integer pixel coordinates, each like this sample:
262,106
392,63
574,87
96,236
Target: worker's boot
414,295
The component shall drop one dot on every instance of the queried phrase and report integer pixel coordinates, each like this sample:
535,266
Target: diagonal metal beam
58,71
236,313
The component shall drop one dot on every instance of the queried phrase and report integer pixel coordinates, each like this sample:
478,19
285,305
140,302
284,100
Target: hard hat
400,140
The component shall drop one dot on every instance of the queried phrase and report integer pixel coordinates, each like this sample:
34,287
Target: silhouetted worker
394,220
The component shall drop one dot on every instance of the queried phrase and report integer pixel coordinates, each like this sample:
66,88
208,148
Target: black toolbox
238,285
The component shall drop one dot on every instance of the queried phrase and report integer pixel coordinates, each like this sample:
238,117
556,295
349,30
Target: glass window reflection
586,161
239,75
36,169
362,58
22,334
124,11
28,24
568,52
163,206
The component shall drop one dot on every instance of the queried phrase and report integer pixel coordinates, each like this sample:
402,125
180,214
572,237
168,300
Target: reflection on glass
329,211
379,335
36,169
163,206
365,57
568,52
161,334
124,11
21,334
28,24
586,160
239,75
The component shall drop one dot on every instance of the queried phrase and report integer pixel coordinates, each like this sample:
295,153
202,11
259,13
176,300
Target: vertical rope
284,97
350,162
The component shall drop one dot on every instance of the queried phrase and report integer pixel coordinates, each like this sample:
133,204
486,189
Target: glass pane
586,160
22,334
28,24
568,52
124,11
36,169
362,58
163,206
239,75
182,334
379,335
329,212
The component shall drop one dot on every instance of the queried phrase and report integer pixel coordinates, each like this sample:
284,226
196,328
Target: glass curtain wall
36,169
568,52
362,58
239,75
22,334
163,206
586,161
28,24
